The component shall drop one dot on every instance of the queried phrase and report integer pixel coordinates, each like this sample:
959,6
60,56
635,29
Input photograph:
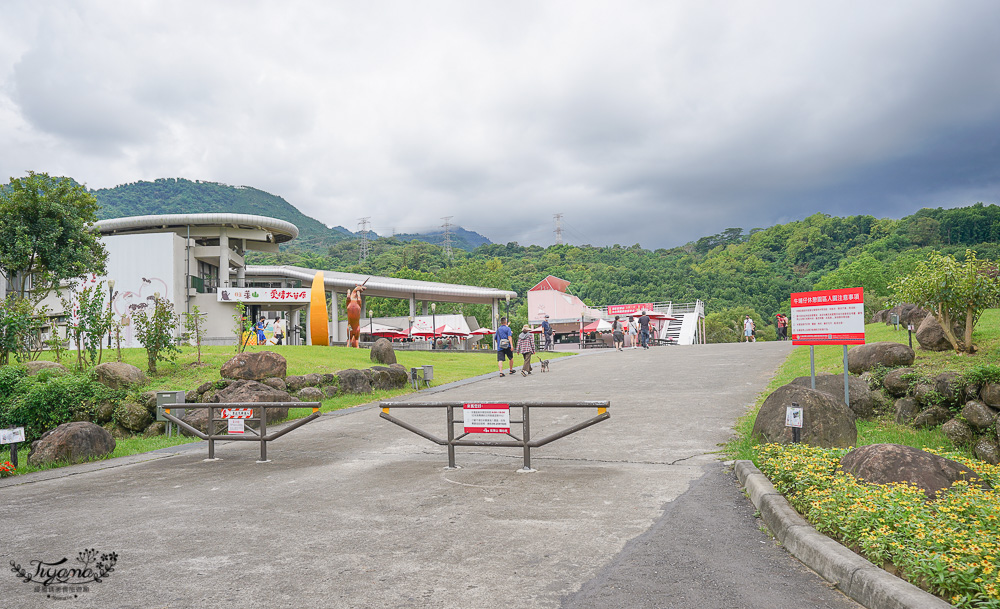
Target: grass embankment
184,373
949,546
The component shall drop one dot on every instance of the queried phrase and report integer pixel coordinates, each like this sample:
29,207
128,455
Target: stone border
873,587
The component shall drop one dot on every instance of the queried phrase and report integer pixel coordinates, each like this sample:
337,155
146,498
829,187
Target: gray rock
926,394
882,403
888,463
990,394
294,383
156,428
382,352
117,431
979,415
104,412
205,387
886,354
959,432
880,317
862,402
931,336
895,384
191,397
49,367
987,449
400,375
277,383
931,417
381,380
826,421
313,379
906,410
951,387
310,394
330,391
329,379
118,375
133,417
908,313
73,442
148,399
354,381
255,366
247,391
972,391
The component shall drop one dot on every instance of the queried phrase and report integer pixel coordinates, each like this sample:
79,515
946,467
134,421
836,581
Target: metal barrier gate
524,442
261,432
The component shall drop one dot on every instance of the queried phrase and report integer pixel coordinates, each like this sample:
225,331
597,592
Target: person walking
526,347
617,333
547,333
279,330
260,331
748,330
633,334
644,329
505,349
782,323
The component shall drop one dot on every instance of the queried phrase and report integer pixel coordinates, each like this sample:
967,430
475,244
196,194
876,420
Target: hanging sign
263,295
487,418
829,317
237,413
793,416
236,426
625,309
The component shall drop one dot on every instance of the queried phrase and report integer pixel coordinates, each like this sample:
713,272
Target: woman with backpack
526,347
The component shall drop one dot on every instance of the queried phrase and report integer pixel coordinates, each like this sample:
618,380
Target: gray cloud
645,122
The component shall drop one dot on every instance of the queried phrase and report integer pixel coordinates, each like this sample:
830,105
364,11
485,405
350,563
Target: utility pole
365,245
558,231
447,236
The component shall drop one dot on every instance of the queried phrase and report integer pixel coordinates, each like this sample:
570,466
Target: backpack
504,344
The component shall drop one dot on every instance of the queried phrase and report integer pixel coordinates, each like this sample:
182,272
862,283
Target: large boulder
277,383
354,381
50,367
133,417
887,354
73,442
119,375
382,352
931,417
909,313
931,336
311,394
987,449
895,384
381,380
990,394
888,463
255,366
880,317
862,401
959,432
826,421
294,383
398,376
906,410
979,415
247,391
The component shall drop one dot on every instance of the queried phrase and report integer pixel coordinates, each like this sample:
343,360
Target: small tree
242,327
89,324
20,329
194,323
154,329
955,292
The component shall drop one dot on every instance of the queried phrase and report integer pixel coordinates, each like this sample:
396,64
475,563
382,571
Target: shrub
42,402
982,374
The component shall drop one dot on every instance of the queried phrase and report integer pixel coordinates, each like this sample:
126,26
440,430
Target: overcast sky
641,122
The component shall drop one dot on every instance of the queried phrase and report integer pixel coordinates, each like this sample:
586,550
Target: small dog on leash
545,365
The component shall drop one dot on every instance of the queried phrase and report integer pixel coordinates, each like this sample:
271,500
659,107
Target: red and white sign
236,426
237,413
625,309
264,295
829,317
487,418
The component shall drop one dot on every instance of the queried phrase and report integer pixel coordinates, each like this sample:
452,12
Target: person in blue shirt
260,331
505,347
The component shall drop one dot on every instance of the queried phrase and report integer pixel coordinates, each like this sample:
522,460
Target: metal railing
255,435
525,442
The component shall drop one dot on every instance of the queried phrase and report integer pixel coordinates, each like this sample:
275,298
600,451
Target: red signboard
625,309
237,413
487,418
829,317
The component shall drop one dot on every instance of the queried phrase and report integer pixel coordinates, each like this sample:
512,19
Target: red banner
625,309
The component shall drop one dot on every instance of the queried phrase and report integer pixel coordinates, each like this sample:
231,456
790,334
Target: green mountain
180,196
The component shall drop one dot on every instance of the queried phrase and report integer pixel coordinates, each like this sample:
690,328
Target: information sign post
829,317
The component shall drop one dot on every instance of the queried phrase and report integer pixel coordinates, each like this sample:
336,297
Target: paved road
352,511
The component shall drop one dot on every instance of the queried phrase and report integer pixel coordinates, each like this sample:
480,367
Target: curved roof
387,286
282,231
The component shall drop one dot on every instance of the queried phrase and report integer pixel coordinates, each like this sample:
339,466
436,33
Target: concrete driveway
353,511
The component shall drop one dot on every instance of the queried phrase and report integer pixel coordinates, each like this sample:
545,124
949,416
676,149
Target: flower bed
949,546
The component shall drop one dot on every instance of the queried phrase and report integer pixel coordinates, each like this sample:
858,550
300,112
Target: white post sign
793,417
487,418
10,436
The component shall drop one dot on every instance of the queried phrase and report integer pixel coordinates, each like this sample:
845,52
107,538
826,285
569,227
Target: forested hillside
734,272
